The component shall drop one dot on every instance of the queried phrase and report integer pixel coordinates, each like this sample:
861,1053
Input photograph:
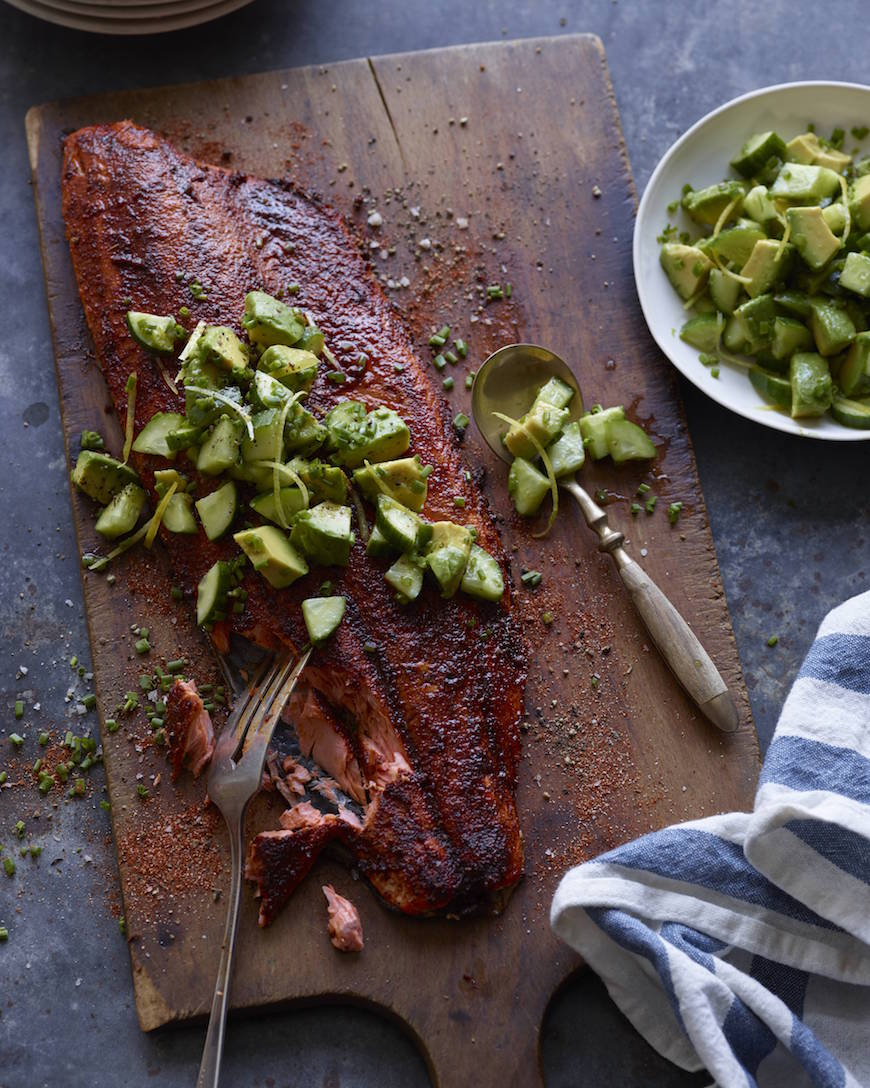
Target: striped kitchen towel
740,944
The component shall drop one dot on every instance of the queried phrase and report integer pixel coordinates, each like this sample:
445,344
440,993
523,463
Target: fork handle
210,1066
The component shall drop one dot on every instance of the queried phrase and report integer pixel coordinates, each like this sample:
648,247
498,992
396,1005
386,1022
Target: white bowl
701,157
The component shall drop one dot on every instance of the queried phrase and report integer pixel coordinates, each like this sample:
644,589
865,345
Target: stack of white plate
128,16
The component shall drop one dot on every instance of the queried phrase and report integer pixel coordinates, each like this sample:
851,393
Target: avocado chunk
303,434
593,427
768,264
757,152
756,318
268,441
542,423
854,376
702,332
322,617
832,328
811,386
835,216
833,159
381,436
686,267
401,527
268,321
322,480
567,453
272,555
406,577
706,205
628,442
122,512
100,476
323,534
757,205
483,577
724,291
856,274
311,340
447,555
221,449
773,387
178,515
789,336
859,202
404,480
211,594
220,346
291,501
155,334
184,436
294,367
527,487
802,148
152,438
802,183
734,244
378,546
217,510
811,235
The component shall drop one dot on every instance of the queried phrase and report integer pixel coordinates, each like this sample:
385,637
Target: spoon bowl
508,382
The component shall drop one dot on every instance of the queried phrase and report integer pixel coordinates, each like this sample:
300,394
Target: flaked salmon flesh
412,711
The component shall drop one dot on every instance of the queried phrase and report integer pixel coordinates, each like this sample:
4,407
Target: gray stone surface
790,520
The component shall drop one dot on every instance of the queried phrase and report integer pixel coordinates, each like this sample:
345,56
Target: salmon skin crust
427,697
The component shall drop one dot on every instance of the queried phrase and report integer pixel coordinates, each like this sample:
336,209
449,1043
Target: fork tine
239,720
268,710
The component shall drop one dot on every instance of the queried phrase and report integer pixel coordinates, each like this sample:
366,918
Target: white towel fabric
740,943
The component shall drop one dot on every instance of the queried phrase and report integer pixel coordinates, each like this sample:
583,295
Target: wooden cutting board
522,139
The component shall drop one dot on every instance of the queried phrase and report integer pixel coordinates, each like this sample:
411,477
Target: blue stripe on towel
846,849
808,765
698,857
840,659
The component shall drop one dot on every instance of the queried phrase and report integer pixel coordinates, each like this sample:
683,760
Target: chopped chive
439,362
642,489
336,376
73,661
508,290
104,805
176,593
16,739
9,866
370,647
459,502
531,578
111,725
143,646
447,384
156,723
19,829
674,512
398,367
547,618
37,765
436,342
494,292
461,347
90,701
451,357
160,737
772,641
19,708
3,778
460,422
62,771
635,509
45,783
4,933
143,791
43,739
143,632
35,851
651,503
146,683
293,289
175,666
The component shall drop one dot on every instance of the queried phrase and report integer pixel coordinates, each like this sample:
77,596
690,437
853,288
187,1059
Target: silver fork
234,778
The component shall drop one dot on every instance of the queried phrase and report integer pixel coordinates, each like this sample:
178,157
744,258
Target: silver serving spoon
508,382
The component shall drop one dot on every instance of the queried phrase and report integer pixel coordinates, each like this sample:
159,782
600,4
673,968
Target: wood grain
613,747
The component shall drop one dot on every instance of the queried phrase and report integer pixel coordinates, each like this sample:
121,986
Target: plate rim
133,27
770,420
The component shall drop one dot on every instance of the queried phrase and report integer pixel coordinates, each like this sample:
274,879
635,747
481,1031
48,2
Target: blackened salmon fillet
420,704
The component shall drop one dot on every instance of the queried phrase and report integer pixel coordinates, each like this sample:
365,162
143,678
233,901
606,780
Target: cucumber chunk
856,274
527,487
401,527
447,555
734,244
322,617
593,427
217,510
702,332
122,512
567,454
211,594
773,387
854,376
832,328
178,515
406,577
153,436
221,449
483,577
724,291
542,422
322,480
291,503
851,413
757,152
789,336
811,385
378,546
706,205
272,555
155,334
628,442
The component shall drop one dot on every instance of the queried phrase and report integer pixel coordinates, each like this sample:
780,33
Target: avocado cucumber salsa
778,274
247,458
543,439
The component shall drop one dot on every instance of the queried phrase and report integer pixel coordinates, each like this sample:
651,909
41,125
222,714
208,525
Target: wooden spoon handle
674,639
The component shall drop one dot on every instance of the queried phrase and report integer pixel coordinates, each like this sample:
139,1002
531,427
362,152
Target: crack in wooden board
640,756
